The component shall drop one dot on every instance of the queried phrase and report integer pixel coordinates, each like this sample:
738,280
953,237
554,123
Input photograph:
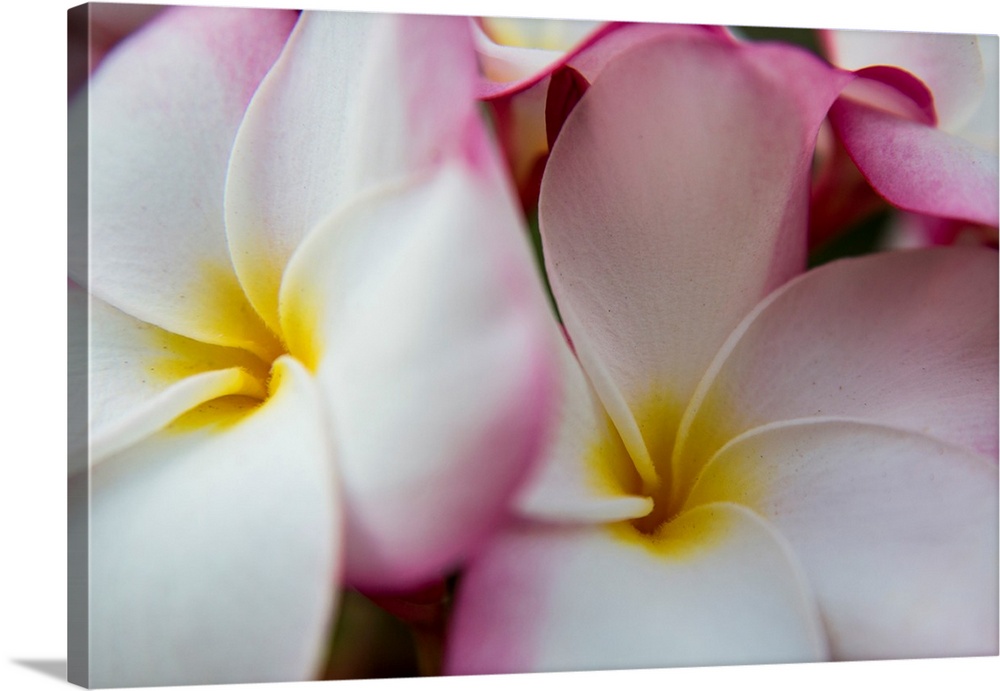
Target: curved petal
142,377
585,472
647,189
289,169
509,70
164,109
420,310
354,101
215,546
720,587
949,64
512,51
907,339
896,531
418,105
918,167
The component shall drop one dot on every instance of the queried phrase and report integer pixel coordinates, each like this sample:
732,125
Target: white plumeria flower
749,469
318,351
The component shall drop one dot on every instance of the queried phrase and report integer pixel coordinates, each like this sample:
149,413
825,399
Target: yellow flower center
616,470
245,375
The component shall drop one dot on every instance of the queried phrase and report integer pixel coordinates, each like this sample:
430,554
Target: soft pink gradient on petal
432,339
545,599
671,154
949,64
908,231
896,531
418,100
907,339
521,106
918,167
215,553
893,90
164,109
588,57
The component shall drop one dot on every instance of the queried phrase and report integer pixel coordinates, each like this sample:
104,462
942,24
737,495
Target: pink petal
164,109
215,546
949,64
671,155
905,339
418,99
420,310
718,586
896,531
529,105
918,167
520,68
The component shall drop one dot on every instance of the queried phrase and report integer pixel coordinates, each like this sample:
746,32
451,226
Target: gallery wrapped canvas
408,345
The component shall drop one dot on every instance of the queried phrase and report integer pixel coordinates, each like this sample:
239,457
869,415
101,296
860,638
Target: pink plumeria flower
749,468
921,126
318,351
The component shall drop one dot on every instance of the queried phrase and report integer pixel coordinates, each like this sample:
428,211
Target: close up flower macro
749,468
517,334
318,354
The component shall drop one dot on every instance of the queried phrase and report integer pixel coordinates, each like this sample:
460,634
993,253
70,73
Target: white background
33,337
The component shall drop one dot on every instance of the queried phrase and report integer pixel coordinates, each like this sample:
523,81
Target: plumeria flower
749,468
920,123
318,352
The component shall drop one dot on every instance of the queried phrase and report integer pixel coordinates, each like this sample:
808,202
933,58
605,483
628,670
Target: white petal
215,547
908,339
719,588
142,377
164,109
896,531
421,311
585,472
671,204
289,169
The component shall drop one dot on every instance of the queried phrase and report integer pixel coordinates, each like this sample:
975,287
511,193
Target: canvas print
410,345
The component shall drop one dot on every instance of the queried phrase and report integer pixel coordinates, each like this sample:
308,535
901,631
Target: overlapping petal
897,531
419,310
558,599
524,83
918,167
402,322
906,339
644,193
289,166
214,545
142,377
583,472
951,65
159,152
511,69
948,168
